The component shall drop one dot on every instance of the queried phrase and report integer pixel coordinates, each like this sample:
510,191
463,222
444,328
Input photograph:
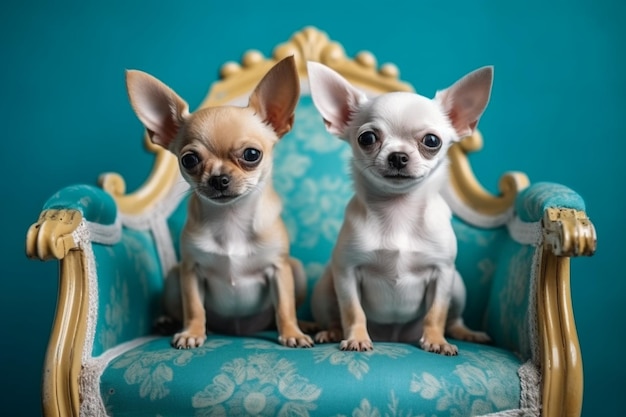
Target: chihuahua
392,274
235,275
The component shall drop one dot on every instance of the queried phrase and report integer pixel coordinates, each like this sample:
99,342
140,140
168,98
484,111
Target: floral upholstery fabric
235,376
127,306
255,375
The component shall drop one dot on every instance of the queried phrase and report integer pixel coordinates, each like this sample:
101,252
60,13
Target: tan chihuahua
235,274
392,274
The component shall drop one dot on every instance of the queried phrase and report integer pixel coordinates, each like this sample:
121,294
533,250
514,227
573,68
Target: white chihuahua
392,274
235,275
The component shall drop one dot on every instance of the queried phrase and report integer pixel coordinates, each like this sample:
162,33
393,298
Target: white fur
393,263
230,262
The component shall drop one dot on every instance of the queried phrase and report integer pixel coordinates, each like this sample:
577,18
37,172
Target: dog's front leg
284,300
438,301
194,316
353,319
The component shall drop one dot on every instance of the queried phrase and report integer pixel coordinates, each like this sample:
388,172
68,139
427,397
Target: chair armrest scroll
566,229
569,232
51,237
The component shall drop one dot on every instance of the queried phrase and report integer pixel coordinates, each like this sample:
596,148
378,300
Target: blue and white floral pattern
262,384
124,301
514,299
311,173
259,377
357,365
393,409
508,307
116,312
152,372
482,389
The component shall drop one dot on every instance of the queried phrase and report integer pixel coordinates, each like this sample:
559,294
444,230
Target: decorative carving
310,44
569,232
51,236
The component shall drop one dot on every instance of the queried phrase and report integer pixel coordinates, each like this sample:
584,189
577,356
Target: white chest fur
395,254
234,265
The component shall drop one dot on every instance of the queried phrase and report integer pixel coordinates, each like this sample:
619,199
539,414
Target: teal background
557,110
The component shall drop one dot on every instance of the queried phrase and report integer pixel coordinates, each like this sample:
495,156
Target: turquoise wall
557,110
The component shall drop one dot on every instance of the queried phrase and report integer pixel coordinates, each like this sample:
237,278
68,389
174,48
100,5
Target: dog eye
367,139
251,155
189,160
431,141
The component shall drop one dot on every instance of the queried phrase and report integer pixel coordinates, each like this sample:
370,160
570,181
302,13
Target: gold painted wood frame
566,233
51,238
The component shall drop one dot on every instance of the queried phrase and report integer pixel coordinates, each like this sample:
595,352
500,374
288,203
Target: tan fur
433,338
235,274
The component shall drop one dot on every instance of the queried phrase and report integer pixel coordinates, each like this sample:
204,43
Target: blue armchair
115,248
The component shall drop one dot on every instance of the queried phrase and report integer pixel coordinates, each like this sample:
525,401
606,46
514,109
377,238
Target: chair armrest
116,265
532,202
554,215
95,205
100,272
566,229
51,237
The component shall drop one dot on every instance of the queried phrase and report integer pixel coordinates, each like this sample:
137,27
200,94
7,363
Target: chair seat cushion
257,376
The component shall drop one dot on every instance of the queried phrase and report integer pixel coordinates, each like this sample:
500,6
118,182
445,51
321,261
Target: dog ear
158,107
334,97
466,99
276,96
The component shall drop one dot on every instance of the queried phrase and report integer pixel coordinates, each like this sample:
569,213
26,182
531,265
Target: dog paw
296,340
328,336
356,345
188,340
441,347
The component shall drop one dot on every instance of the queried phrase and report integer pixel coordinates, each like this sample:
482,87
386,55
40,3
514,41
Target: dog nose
219,182
398,160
